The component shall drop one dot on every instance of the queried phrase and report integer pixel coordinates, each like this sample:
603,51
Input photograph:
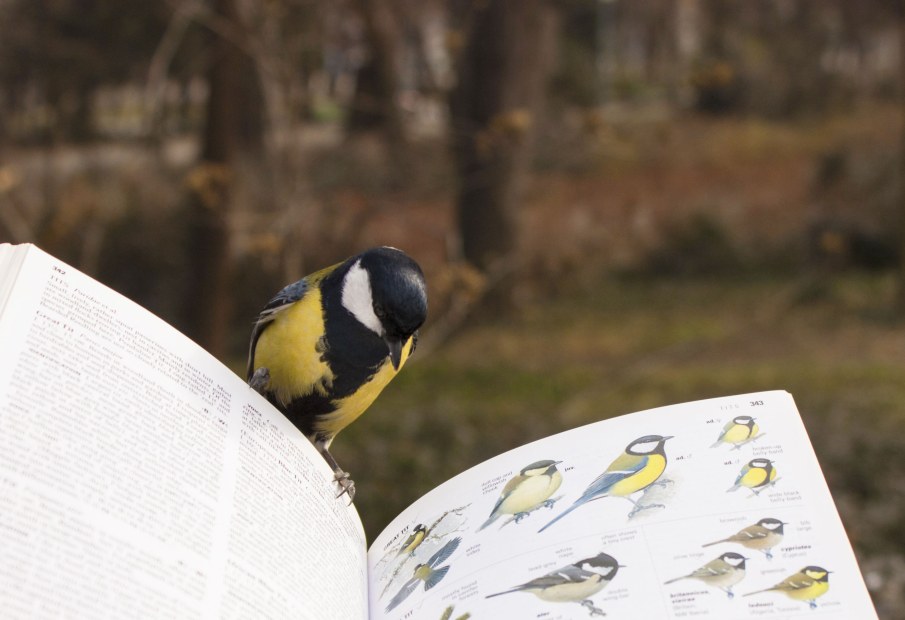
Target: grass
632,344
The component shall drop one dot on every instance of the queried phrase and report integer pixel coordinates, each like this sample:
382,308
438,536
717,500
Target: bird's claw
593,609
260,380
517,517
347,485
638,508
549,503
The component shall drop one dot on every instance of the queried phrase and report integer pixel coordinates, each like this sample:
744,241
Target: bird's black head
735,559
774,525
760,464
385,291
649,444
539,467
602,564
743,420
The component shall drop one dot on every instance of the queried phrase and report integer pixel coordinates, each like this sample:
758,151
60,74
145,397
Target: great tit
414,539
529,490
738,431
324,347
757,475
574,583
761,536
808,584
640,466
428,573
722,572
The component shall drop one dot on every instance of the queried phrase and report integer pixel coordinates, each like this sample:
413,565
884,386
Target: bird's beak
395,347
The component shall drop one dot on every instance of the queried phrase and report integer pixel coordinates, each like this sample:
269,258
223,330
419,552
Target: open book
139,477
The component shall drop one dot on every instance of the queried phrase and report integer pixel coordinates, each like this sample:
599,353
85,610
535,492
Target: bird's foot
550,502
593,609
260,380
729,593
663,483
347,486
517,517
812,604
768,553
638,508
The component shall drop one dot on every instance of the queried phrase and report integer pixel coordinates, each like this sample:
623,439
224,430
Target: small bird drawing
722,572
528,491
636,469
761,536
808,584
757,475
430,573
325,346
739,431
574,583
413,540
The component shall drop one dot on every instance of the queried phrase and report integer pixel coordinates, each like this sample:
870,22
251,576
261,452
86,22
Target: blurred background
618,205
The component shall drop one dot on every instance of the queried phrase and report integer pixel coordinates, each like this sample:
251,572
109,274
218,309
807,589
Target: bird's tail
715,542
734,487
758,591
717,443
492,518
516,589
561,515
666,583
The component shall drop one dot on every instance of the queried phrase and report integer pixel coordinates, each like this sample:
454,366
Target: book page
714,509
139,477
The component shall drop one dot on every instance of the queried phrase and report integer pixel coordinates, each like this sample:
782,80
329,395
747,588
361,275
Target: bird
414,539
757,475
430,573
739,431
640,466
574,583
722,572
529,490
808,584
761,536
325,346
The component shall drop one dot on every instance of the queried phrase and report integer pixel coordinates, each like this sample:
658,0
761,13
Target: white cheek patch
357,299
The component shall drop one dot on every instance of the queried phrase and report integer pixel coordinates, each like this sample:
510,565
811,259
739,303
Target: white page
139,477
653,546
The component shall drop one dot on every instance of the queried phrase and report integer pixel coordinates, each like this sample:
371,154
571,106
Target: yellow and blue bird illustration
761,536
757,475
636,469
807,585
413,541
722,572
738,431
430,573
532,488
574,583
325,347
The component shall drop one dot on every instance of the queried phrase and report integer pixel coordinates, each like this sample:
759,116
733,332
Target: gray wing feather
287,296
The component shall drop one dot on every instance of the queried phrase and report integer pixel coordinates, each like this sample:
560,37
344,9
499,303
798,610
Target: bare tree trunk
900,290
375,105
506,58
231,125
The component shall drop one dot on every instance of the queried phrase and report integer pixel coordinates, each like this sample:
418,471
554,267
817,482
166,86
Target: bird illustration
722,572
324,347
413,541
636,469
739,431
430,573
757,475
808,584
574,583
761,536
529,490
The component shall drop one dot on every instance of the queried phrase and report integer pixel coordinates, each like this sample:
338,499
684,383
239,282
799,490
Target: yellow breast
348,409
656,463
288,347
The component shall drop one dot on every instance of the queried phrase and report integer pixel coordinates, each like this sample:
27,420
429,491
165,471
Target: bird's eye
380,312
